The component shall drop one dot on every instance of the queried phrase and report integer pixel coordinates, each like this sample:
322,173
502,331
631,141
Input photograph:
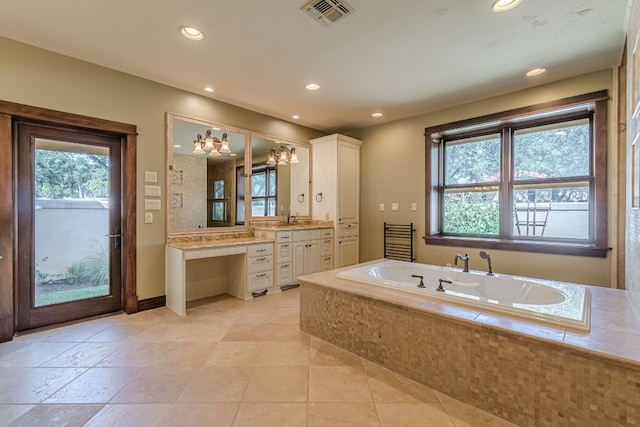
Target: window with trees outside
263,190
532,179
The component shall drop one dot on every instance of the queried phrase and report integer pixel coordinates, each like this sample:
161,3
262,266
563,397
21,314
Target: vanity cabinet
259,268
336,187
306,252
326,249
284,258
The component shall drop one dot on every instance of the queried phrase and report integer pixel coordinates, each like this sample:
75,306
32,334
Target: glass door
69,239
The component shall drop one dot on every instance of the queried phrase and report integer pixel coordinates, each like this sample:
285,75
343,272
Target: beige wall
393,171
36,77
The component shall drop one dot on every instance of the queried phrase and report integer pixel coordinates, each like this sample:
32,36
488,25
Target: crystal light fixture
283,156
212,145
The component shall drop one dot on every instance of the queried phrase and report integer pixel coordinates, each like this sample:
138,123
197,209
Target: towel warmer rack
398,242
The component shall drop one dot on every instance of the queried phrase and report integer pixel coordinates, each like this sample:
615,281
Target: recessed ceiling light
208,89
536,72
377,114
191,33
504,5
312,86
295,117
177,146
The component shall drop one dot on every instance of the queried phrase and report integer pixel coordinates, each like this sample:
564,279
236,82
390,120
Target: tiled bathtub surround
530,374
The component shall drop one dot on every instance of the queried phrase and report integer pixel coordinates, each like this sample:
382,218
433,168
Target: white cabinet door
298,259
312,257
348,182
347,252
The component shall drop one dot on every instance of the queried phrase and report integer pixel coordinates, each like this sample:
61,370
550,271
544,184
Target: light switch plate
150,176
394,207
381,207
152,190
414,207
148,217
152,205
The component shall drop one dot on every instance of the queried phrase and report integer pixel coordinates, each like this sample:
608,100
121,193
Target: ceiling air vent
328,12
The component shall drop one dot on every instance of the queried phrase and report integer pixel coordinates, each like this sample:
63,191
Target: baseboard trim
151,303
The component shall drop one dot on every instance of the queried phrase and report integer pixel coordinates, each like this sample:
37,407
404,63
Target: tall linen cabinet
336,192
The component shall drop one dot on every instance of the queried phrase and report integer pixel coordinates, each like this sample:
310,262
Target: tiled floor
227,363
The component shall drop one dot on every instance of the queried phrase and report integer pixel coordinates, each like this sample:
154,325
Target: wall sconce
212,144
283,156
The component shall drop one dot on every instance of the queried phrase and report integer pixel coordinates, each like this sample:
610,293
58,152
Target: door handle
117,243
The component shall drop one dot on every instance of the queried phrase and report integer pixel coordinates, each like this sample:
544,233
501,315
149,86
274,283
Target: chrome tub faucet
464,259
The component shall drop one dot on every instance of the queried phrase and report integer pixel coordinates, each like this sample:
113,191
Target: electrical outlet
148,217
414,207
394,207
381,207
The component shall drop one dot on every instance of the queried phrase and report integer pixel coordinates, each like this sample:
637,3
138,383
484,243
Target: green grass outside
71,295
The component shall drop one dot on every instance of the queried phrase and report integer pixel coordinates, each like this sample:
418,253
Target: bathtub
557,303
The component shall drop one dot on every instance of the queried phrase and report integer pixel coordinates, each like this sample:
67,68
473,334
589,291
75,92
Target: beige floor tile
216,384
34,354
324,354
57,415
83,355
290,316
8,413
286,332
271,414
9,347
37,384
388,386
200,332
338,384
235,353
118,333
465,415
201,414
156,385
285,354
278,384
342,415
246,332
96,385
149,414
158,354
413,414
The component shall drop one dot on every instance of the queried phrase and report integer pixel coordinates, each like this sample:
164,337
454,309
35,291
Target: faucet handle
417,276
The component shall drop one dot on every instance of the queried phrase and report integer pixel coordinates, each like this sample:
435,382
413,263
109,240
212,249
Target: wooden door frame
8,201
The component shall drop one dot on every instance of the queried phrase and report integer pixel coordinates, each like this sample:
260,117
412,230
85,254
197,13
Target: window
263,191
219,204
532,179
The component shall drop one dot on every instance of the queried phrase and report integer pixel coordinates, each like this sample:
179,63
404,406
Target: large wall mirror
210,187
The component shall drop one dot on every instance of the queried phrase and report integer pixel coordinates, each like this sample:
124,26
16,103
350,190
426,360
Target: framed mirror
280,171
202,182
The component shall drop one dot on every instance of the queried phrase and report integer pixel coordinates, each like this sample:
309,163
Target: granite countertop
293,227
203,244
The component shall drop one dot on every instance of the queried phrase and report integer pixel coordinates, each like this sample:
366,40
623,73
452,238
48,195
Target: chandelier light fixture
283,156
212,145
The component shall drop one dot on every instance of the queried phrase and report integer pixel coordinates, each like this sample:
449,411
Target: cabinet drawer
284,236
259,281
259,250
348,230
260,263
326,247
284,253
326,233
284,274
326,263
303,235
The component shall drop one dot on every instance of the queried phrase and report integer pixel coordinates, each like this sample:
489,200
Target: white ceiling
399,57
